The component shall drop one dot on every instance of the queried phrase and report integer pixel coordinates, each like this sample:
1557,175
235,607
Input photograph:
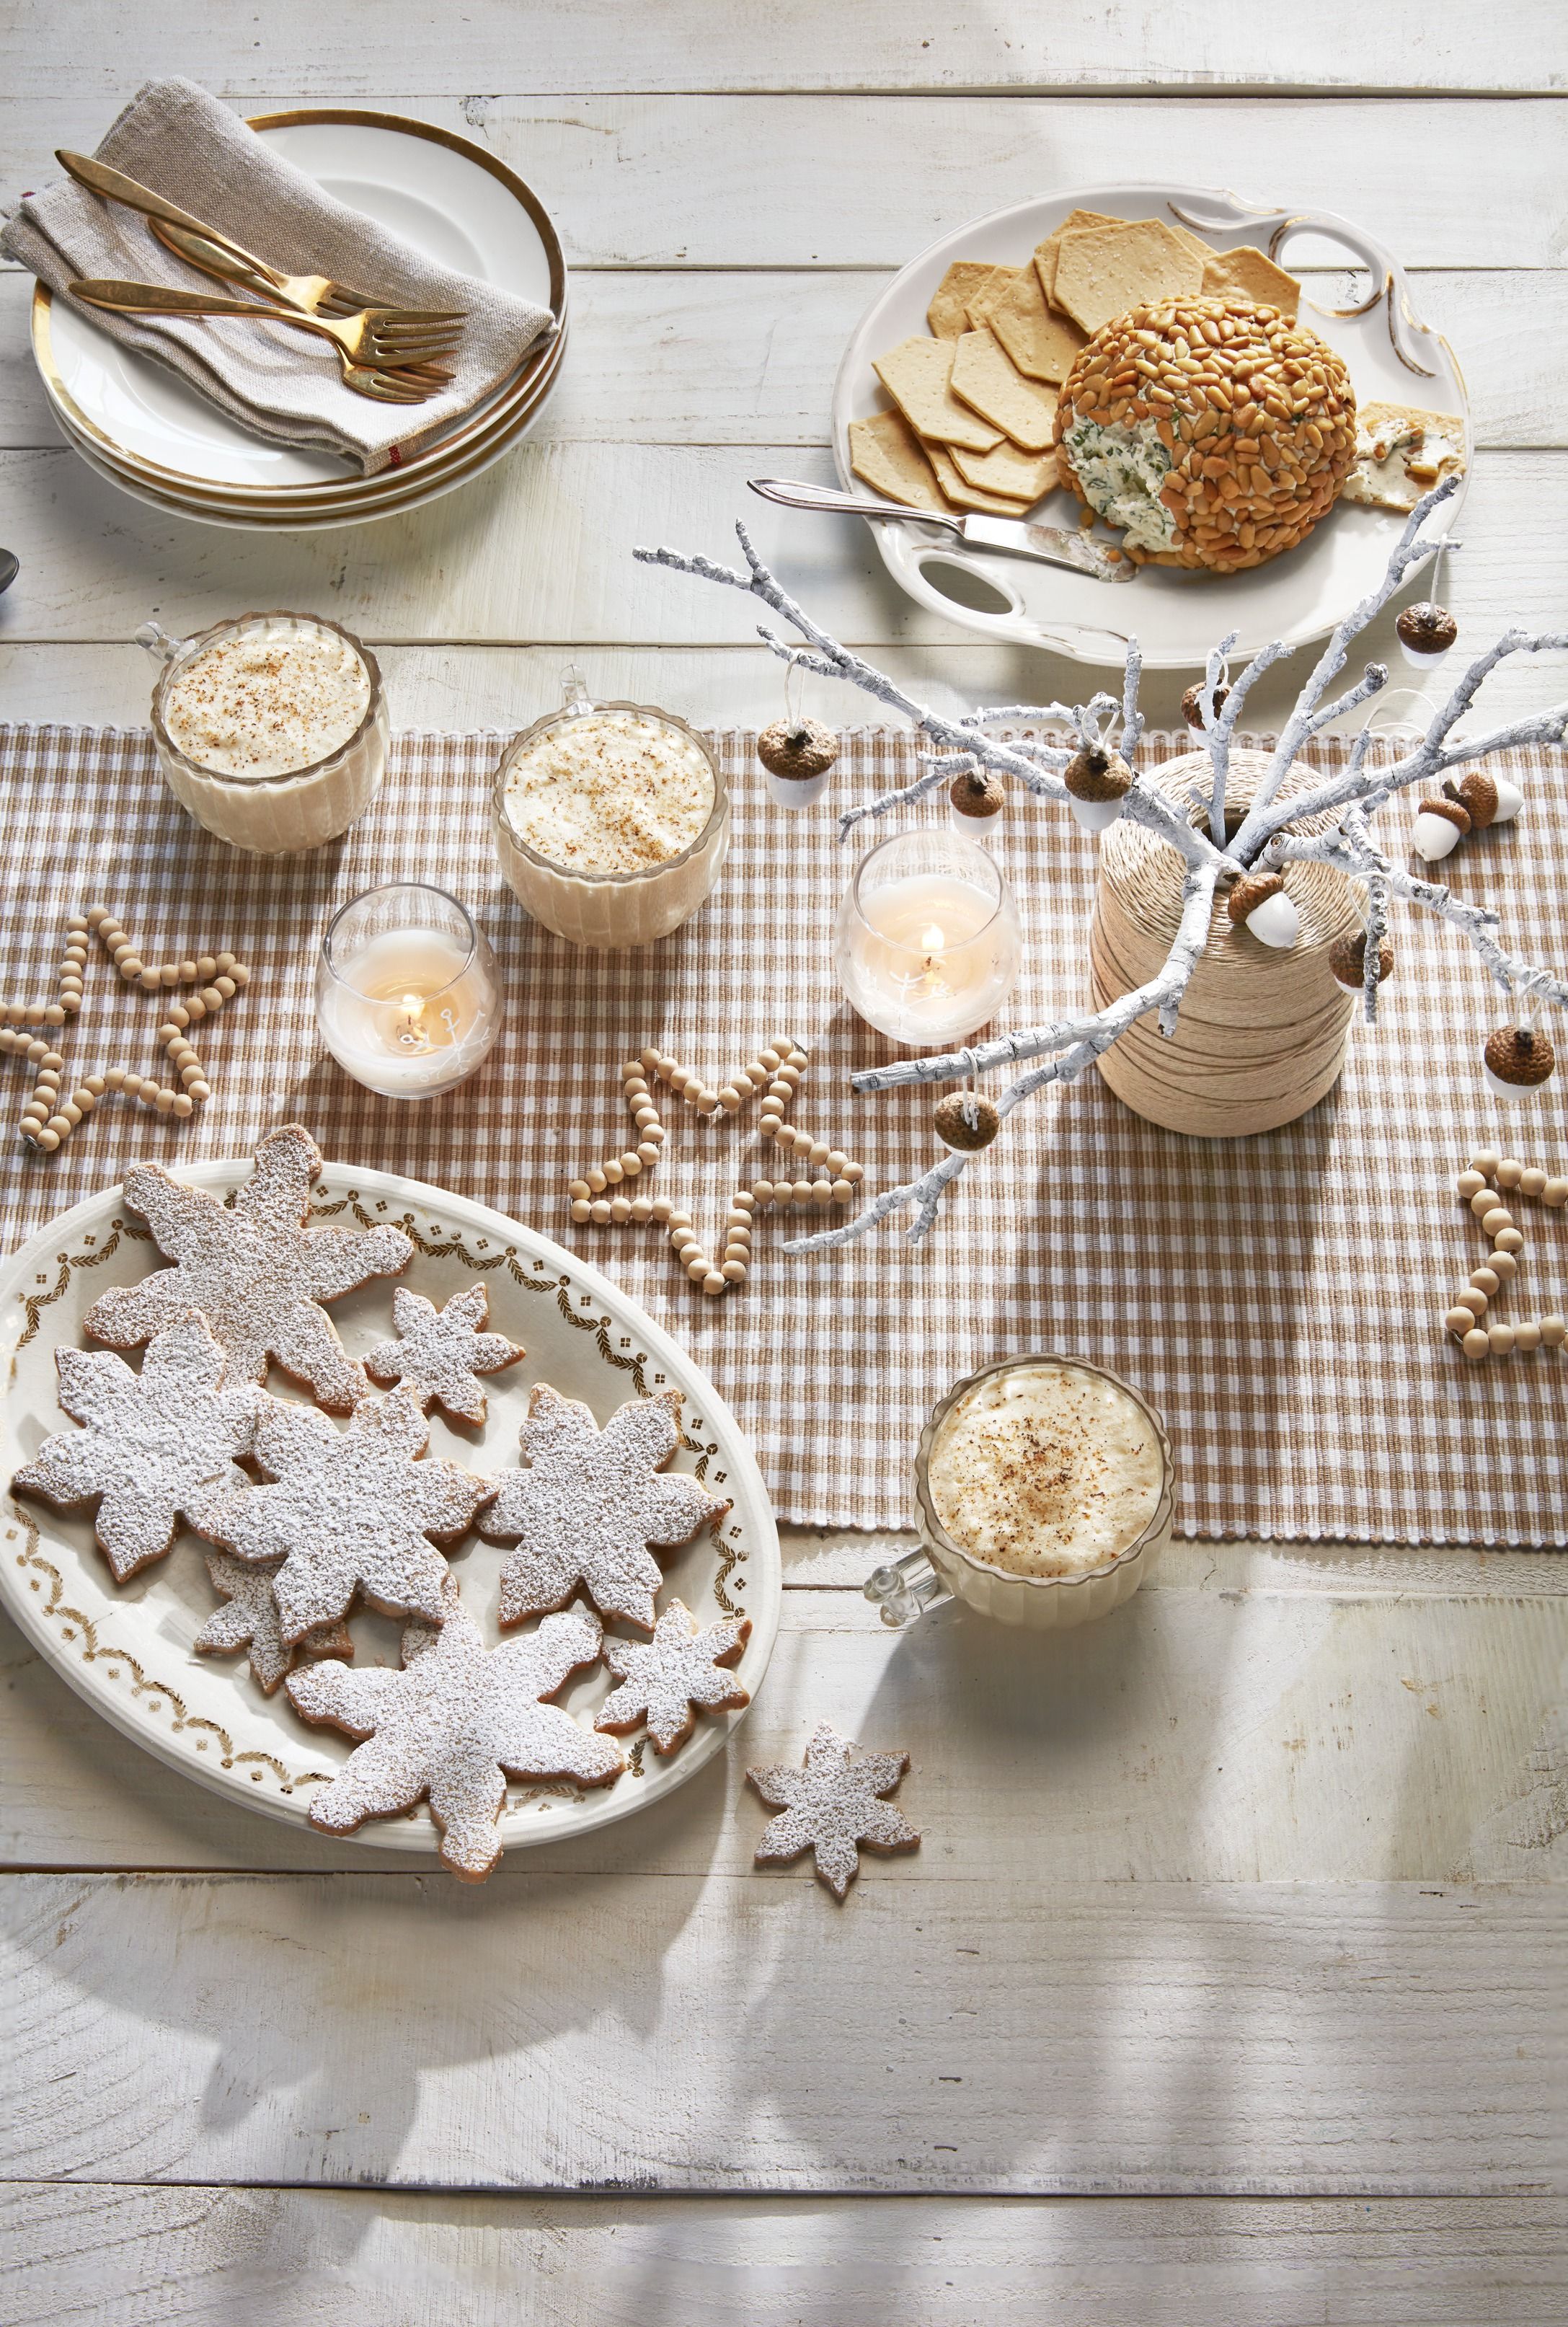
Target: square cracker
964,495
1045,254
1400,453
888,454
985,375
948,312
1043,345
917,375
1247,272
984,296
1101,271
1015,475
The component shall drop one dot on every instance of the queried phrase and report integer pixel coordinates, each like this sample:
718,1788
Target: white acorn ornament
1518,1060
797,755
974,798
1439,826
1510,799
1098,782
1425,632
965,1121
1258,903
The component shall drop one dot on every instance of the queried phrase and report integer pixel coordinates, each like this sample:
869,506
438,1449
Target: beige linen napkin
180,141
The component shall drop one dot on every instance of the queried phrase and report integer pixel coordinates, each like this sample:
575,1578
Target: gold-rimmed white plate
127,1650
1177,617
441,193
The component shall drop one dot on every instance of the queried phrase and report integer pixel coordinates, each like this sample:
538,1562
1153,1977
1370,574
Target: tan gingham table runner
1279,1298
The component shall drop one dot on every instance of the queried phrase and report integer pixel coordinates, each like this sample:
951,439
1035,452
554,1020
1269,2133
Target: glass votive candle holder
927,944
407,999
264,688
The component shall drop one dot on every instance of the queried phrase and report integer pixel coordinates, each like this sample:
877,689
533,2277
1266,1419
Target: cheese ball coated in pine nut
1213,431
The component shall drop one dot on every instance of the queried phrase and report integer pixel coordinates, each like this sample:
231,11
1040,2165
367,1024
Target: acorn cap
977,794
1427,627
1521,1055
1452,812
1190,702
1478,795
1347,960
1096,775
796,749
965,1120
1254,889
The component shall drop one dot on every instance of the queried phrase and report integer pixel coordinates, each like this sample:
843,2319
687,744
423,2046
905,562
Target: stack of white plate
143,428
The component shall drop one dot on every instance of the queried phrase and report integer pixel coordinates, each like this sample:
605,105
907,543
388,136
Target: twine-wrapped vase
1261,1037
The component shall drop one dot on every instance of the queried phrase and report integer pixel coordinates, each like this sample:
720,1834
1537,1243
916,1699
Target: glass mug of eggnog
271,729
1046,1491
611,820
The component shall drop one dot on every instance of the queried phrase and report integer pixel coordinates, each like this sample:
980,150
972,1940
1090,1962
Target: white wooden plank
730,357
852,181
538,551
55,51
1217,1731
744,2032
111,2256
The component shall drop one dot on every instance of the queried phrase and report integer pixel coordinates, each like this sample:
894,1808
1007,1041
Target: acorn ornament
1439,826
1258,903
974,798
1518,1060
1098,782
797,754
1425,632
1347,960
1192,705
965,1121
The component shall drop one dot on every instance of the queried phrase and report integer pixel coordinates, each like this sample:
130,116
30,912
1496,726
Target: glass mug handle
157,642
906,1588
575,695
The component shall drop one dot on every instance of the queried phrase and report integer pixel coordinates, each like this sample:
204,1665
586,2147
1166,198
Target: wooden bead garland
1482,1185
777,1072
47,1120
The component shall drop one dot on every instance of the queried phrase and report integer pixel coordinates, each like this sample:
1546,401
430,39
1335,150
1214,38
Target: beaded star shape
153,1445
255,1271
35,1029
832,1806
667,1681
351,1510
604,1195
585,1512
450,1726
439,1353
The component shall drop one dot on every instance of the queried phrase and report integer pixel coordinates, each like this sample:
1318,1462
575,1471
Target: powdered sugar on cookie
438,1353
450,1726
668,1680
831,1805
256,1273
249,1620
590,1504
153,1444
349,1509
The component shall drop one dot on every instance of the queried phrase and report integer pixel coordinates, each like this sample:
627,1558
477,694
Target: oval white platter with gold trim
127,1649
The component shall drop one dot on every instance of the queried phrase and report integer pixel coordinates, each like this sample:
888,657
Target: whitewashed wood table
1222,1989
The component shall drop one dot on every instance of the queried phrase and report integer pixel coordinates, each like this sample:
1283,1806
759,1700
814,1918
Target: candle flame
933,939
412,1032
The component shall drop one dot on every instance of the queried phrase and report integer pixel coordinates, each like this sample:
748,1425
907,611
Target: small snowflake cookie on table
249,1619
356,1510
832,1805
439,1353
452,1724
585,1512
256,1273
667,1681
153,1446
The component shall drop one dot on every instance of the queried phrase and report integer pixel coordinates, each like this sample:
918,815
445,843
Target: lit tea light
927,940
406,995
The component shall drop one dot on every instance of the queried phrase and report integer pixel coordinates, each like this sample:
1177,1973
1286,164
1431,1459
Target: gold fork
374,343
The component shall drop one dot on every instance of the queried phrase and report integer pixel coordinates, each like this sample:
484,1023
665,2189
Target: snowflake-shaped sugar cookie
249,1620
830,1806
153,1444
256,1273
348,1509
438,1353
451,1725
667,1680
589,1505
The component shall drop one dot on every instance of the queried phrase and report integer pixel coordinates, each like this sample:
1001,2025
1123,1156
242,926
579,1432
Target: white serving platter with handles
1177,617
127,1650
